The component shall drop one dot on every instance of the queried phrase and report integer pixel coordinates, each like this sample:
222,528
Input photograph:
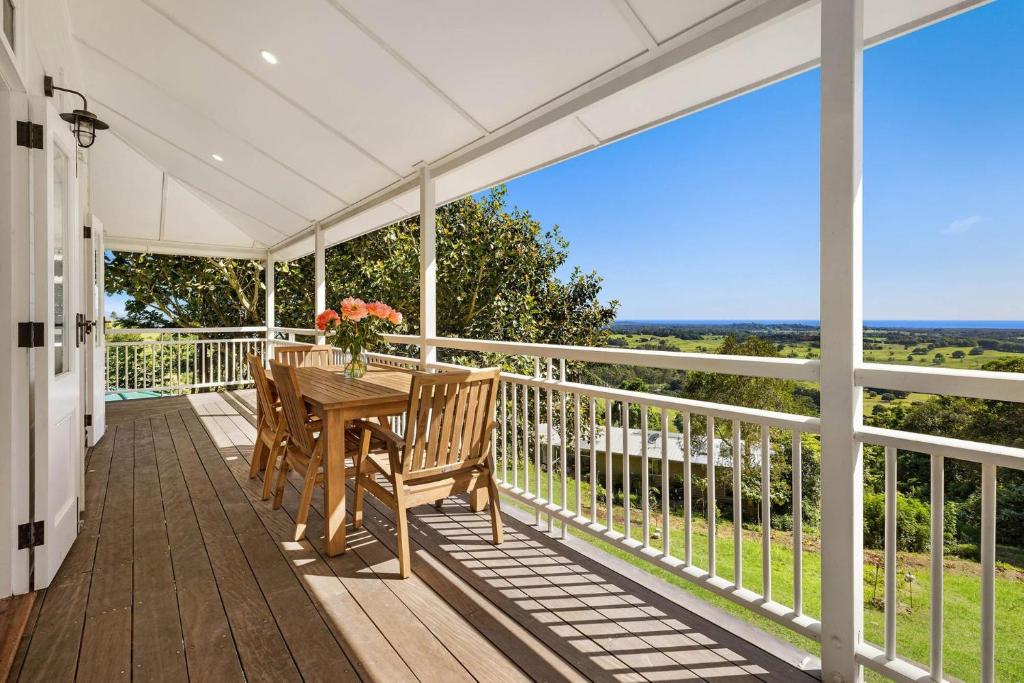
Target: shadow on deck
182,571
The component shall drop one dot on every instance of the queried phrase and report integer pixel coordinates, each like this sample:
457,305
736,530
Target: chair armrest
382,431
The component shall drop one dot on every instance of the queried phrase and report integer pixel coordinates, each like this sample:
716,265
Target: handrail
751,366
958,449
114,331
802,423
996,386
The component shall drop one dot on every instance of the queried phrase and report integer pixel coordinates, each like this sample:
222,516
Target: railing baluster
550,444
563,441
515,435
798,525
504,431
937,542
526,439
712,509
687,493
608,469
593,460
988,573
577,455
645,480
766,513
665,481
890,552
537,448
737,505
626,506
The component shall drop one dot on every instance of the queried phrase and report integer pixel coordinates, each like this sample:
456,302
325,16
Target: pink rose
353,309
394,317
378,310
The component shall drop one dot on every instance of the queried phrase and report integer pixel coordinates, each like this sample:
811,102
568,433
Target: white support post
841,339
428,269
320,275
268,275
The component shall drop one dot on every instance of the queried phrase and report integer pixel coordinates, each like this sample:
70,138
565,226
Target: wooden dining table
381,393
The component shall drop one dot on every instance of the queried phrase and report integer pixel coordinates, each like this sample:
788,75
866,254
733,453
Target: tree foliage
186,291
497,277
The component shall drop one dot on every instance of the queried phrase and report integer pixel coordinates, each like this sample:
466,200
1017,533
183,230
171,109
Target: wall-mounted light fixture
84,122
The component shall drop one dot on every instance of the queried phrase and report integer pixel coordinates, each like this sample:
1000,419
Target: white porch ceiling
365,90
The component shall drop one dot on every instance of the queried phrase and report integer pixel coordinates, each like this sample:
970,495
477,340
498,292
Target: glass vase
355,367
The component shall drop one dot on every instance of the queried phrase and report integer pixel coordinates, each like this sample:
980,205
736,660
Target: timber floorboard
181,572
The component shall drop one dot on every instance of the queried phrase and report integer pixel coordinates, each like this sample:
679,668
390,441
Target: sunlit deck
181,571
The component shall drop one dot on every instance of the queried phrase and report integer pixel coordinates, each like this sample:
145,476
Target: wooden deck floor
181,572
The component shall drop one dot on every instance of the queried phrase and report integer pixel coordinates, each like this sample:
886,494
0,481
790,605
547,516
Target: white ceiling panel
199,174
499,59
667,18
206,82
333,69
246,223
188,219
138,100
126,189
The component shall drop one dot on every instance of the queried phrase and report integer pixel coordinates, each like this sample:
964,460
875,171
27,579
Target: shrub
912,523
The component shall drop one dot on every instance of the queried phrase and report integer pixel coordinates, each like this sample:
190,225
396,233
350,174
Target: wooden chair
305,356
272,429
445,451
304,449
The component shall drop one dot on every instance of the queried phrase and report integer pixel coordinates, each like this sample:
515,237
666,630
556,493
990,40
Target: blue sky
715,216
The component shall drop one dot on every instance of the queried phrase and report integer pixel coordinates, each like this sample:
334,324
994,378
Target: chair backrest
293,406
263,394
450,419
305,356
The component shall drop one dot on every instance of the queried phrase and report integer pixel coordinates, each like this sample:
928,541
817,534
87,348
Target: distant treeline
1009,340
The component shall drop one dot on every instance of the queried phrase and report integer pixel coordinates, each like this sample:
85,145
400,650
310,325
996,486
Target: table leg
334,482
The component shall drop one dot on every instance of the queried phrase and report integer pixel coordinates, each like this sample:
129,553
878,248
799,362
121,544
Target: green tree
186,291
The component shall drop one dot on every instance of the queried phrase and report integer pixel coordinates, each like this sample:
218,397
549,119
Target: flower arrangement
358,326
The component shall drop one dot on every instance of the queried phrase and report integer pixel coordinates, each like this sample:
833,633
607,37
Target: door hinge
30,335
30,534
87,232
30,135
88,419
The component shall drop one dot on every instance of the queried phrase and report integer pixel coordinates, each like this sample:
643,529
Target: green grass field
962,586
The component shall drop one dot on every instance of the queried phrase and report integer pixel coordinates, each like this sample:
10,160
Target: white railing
545,460
180,360
529,463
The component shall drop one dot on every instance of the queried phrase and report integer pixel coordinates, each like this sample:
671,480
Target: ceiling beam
144,246
407,65
636,25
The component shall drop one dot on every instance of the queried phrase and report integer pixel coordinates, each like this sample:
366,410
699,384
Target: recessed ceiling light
217,157
268,56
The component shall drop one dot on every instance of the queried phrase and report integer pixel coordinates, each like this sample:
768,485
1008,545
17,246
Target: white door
95,349
57,379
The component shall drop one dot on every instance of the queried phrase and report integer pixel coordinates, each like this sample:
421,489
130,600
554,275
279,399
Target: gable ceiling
366,90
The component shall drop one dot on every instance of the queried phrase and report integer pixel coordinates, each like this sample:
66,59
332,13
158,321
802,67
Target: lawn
962,587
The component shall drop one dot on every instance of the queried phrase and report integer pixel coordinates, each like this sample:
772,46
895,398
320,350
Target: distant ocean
897,324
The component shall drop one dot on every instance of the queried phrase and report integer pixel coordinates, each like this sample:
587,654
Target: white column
268,275
320,275
428,269
841,339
